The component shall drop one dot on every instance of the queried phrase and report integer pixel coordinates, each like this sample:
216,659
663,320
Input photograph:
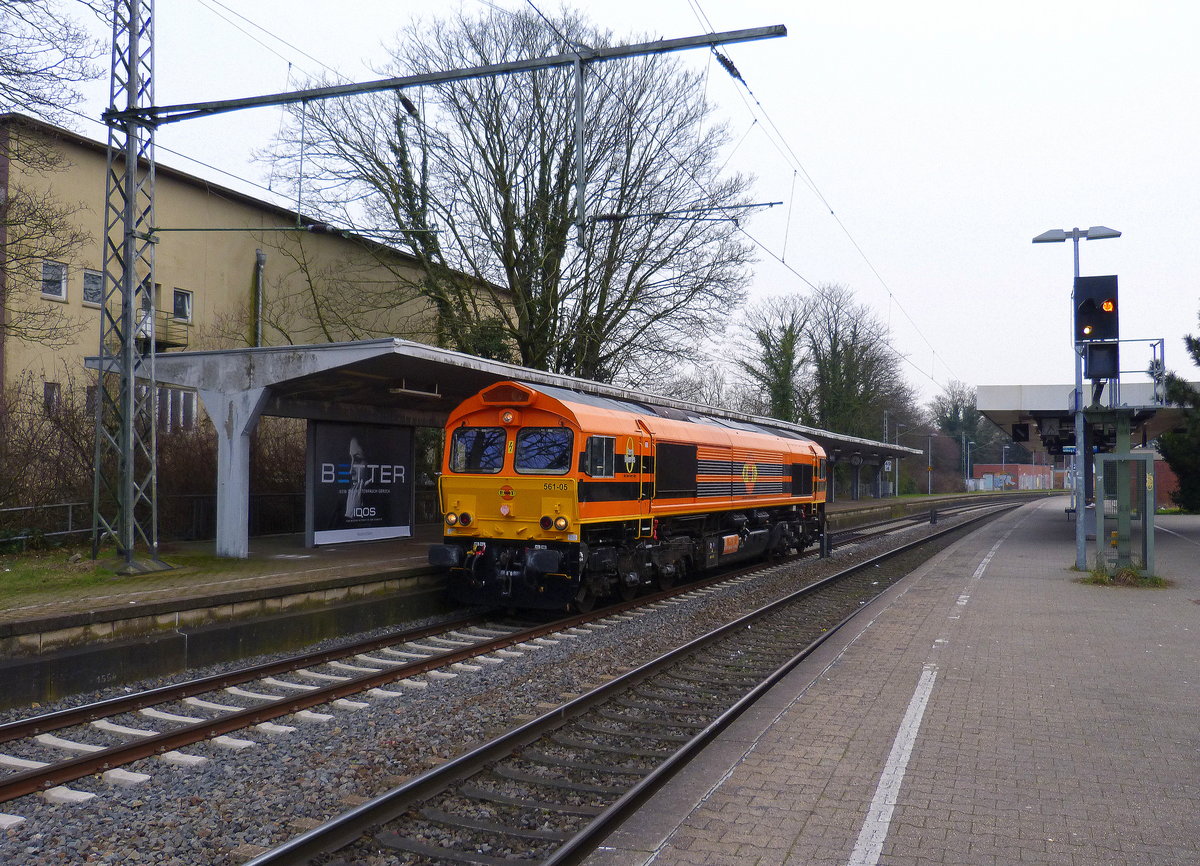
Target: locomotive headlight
451,518
546,523
464,519
561,523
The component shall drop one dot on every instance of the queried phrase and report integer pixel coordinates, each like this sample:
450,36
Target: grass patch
33,573
1125,577
65,572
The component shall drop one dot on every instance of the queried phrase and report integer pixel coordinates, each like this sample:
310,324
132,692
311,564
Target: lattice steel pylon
125,490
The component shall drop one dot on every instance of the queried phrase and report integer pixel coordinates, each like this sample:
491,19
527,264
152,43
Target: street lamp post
1082,462
967,480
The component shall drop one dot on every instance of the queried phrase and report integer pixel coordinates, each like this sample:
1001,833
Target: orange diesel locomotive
553,498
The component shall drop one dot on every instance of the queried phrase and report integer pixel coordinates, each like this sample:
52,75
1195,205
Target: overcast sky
943,135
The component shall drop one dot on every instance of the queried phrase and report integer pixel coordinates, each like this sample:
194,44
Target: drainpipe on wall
5,140
260,263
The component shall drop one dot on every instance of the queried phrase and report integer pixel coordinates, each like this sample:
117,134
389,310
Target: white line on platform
1176,534
879,816
983,565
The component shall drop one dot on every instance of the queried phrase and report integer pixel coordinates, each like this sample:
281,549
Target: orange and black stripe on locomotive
644,489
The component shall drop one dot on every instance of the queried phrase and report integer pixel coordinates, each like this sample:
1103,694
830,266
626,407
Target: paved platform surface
991,709
276,563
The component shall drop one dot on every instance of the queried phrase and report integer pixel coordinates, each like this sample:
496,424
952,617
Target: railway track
548,791
45,752
52,749
55,748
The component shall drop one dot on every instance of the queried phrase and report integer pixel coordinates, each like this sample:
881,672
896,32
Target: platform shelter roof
1042,417
399,381
387,381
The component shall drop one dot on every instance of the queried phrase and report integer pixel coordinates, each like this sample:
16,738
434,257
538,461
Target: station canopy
401,382
1042,417
386,381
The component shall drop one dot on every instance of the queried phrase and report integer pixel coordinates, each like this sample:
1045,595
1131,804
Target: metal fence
181,518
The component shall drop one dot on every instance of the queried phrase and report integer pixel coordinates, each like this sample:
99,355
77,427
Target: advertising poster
360,482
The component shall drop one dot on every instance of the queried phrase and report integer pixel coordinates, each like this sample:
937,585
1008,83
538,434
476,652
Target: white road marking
879,816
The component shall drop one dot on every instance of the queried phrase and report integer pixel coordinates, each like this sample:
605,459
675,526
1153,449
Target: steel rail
580,845
127,703
346,828
31,781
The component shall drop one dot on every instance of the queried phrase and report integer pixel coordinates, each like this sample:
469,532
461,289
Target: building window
176,409
182,308
51,397
93,287
54,280
187,410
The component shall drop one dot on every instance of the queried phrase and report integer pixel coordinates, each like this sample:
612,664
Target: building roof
285,215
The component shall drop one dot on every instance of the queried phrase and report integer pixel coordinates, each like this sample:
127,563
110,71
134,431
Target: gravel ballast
242,801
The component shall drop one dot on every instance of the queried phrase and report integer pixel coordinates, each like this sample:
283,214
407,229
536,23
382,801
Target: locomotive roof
565,395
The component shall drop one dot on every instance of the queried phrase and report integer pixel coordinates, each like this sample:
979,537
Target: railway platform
989,709
68,636
277,565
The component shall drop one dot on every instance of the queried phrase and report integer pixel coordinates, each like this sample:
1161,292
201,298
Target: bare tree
955,415
35,227
705,384
46,442
43,55
478,184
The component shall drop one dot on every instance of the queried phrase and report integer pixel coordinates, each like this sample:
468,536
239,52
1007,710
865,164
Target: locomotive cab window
477,449
802,479
598,459
543,451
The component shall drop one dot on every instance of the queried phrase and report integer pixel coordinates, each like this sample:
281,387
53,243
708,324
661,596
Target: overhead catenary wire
601,78
781,144
771,130
785,149
208,4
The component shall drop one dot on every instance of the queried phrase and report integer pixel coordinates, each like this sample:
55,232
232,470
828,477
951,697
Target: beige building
230,270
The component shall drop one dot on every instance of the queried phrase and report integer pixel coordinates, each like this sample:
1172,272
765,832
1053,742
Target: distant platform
989,709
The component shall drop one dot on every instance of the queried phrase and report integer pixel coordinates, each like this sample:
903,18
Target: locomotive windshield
477,449
543,450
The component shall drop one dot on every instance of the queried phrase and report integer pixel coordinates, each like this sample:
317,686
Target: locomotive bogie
552,498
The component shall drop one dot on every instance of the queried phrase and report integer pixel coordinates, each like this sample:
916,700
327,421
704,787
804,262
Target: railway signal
1096,309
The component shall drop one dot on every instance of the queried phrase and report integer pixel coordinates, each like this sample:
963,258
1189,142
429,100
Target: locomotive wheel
584,601
627,591
664,581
